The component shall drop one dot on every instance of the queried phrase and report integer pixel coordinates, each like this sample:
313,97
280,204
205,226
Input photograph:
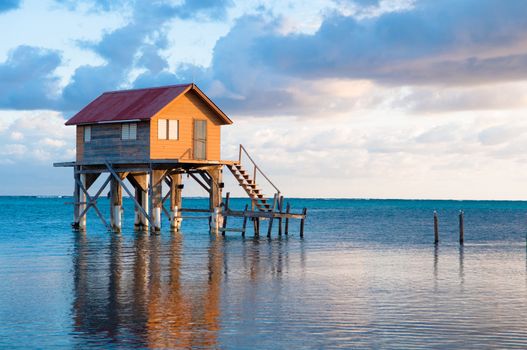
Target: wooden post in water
145,202
287,210
116,201
302,221
175,202
140,182
461,227
280,209
76,199
215,197
256,222
82,203
225,208
270,228
156,188
436,228
244,220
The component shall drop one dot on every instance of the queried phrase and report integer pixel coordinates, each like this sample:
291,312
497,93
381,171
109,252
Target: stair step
260,198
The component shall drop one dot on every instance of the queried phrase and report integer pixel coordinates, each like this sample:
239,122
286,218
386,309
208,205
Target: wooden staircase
248,184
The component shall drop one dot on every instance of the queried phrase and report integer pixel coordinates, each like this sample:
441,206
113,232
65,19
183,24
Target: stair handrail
256,167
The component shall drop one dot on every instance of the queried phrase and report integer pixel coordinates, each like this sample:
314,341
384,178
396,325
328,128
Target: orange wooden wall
185,108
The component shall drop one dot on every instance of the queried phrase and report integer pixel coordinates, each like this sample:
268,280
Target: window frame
165,127
170,123
86,133
162,135
126,133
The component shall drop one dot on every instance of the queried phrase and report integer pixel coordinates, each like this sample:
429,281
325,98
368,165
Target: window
162,129
167,129
129,131
173,129
87,133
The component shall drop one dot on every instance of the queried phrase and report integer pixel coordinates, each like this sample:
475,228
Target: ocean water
366,275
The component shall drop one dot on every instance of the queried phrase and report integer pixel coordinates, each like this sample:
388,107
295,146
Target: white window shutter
133,131
162,129
87,133
125,131
173,129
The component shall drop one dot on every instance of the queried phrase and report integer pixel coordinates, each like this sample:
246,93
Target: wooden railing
256,169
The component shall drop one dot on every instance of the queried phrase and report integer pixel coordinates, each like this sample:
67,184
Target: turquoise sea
365,276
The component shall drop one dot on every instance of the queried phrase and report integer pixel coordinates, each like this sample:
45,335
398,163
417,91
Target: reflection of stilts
140,299
114,287
436,262
211,312
140,283
80,285
169,314
461,265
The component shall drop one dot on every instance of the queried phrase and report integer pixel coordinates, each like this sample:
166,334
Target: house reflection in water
135,294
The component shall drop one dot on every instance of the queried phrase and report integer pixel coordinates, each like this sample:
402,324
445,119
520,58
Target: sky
404,99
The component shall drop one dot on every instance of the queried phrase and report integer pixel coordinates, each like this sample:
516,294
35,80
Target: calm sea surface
366,275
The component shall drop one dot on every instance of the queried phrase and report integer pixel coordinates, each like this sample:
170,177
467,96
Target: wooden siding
185,109
80,142
106,144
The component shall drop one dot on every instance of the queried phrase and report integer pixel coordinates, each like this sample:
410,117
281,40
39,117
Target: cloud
96,5
37,136
8,5
426,43
207,9
256,68
28,79
500,134
135,46
404,54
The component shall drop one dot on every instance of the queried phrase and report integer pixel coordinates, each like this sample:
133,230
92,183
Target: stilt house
151,137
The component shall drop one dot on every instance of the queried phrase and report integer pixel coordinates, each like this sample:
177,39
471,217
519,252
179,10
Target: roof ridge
149,88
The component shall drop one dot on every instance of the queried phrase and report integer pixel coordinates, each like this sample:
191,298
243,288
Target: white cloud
16,136
40,136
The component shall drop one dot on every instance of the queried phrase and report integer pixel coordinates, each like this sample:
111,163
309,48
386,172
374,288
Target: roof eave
219,112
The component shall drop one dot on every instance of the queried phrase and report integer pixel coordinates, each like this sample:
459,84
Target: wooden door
200,139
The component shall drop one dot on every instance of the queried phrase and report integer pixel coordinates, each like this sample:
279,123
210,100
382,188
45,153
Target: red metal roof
140,104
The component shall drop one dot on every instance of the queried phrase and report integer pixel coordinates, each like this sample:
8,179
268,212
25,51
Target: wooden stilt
271,219
302,221
175,202
156,182
145,204
256,223
115,205
270,227
280,208
140,183
215,198
287,210
82,203
226,209
244,227
144,211
461,227
137,214
89,201
76,199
